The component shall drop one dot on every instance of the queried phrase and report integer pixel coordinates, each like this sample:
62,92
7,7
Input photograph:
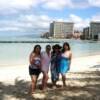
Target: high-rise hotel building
61,29
95,30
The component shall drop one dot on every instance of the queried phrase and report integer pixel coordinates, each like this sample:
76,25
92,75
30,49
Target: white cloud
56,4
11,26
73,4
37,21
75,18
26,24
9,29
40,23
23,4
79,23
80,4
96,18
95,3
13,6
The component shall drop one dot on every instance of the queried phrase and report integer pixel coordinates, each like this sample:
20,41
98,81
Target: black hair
36,47
48,46
56,46
67,44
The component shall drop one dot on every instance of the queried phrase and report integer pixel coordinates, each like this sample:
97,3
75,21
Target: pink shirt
45,61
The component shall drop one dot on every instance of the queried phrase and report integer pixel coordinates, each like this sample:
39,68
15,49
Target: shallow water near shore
18,53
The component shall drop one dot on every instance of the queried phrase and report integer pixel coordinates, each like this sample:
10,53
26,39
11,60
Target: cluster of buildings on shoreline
92,32
66,30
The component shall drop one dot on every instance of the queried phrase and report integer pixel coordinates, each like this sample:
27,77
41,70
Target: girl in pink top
45,62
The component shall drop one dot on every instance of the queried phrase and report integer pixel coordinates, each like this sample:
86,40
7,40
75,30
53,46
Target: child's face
56,49
38,50
65,47
48,48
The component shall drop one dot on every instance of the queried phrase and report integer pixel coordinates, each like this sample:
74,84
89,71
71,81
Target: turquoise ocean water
18,53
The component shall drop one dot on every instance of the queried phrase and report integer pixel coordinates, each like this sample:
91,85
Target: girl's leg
44,80
54,77
54,80
33,84
64,79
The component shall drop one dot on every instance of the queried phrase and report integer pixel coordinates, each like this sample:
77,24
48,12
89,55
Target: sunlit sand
83,82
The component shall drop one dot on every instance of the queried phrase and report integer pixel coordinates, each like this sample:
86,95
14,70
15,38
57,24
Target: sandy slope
83,82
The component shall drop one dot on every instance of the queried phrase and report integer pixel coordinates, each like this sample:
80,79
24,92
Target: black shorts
34,71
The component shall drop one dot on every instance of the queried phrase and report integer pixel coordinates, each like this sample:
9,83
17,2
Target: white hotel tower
61,29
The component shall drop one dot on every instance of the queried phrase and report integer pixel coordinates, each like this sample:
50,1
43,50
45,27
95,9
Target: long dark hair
48,47
34,50
56,46
67,44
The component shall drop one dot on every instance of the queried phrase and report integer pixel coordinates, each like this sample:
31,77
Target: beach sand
83,82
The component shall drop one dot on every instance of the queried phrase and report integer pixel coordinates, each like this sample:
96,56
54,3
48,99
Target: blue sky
23,17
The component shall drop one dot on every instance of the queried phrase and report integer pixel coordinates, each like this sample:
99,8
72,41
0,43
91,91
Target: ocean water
12,54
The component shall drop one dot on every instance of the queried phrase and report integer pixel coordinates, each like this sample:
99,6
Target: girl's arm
31,58
70,58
